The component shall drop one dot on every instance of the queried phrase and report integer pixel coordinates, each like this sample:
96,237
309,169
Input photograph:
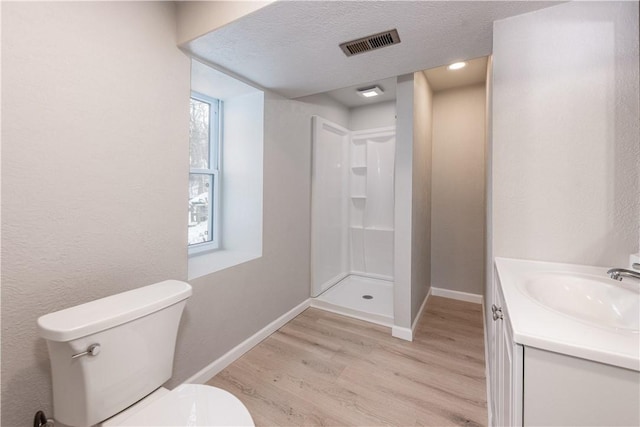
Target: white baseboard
419,315
406,333
462,296
229,357
402,333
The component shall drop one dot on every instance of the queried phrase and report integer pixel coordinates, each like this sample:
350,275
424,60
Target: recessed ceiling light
457,65
370,92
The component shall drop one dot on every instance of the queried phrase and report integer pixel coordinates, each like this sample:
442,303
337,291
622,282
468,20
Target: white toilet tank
133,336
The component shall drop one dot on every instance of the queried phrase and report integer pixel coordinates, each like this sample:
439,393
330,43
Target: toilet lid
192,405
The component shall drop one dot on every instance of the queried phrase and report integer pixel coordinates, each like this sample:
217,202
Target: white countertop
536,325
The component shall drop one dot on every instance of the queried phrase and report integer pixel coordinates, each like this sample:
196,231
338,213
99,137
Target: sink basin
597,300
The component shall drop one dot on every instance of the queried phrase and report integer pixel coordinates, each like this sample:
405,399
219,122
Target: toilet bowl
186,405
110,358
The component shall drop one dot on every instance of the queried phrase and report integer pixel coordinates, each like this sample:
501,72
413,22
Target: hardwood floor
326,369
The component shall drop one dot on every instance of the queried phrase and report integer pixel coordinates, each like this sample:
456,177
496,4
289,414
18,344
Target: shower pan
352,221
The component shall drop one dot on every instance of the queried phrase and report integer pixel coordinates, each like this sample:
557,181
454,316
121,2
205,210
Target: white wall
95,165
458,205
565,134
412,216
381,114
242,169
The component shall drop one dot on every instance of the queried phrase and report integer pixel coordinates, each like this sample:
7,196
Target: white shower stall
352,230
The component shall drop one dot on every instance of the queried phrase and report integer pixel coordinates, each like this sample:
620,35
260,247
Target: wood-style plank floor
326,369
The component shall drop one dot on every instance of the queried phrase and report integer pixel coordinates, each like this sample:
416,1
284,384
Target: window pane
199,134
200,199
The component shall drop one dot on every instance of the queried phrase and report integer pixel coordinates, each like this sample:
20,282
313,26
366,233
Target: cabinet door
506,393
494,363
564,390
498,377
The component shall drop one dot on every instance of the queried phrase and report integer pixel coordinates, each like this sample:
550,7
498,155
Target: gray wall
458,196
402,210
94,169
231,305
488,262
566,151
412,215
421,206
381,114
94,184
324,106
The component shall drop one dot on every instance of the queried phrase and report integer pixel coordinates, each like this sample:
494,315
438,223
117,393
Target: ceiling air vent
375,41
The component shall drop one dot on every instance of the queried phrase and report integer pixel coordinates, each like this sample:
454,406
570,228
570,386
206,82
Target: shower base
350,297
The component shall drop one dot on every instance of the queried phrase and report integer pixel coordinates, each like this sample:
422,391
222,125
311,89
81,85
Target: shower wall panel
329,205
372,202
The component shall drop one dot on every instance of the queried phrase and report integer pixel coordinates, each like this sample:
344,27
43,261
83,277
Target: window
225,185
204,174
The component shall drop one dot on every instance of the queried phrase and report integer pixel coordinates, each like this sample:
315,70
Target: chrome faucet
619,273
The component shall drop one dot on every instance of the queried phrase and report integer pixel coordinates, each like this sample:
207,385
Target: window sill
206,263
202,248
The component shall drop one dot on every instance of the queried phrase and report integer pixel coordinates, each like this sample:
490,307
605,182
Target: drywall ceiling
441,78
292,47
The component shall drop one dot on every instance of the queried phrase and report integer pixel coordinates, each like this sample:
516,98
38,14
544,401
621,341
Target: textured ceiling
291,47
441,78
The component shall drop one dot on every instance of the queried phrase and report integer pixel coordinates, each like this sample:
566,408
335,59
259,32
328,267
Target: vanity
566,346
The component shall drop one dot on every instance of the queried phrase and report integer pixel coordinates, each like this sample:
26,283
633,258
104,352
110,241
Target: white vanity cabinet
545,372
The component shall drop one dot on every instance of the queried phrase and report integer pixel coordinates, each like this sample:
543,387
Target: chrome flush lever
92,350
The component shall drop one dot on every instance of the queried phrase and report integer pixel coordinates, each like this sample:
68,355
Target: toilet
110,357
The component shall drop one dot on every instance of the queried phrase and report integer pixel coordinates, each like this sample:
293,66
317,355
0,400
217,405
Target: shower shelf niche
371,211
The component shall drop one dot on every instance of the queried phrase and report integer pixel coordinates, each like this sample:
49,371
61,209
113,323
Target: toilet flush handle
92,350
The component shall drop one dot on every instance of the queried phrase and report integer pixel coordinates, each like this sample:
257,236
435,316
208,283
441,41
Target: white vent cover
372,42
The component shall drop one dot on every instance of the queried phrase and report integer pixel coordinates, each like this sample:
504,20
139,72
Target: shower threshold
359,297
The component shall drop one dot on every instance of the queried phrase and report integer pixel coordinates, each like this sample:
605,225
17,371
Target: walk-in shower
352,220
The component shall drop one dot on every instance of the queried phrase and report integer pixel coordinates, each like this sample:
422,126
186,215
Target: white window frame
214,171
